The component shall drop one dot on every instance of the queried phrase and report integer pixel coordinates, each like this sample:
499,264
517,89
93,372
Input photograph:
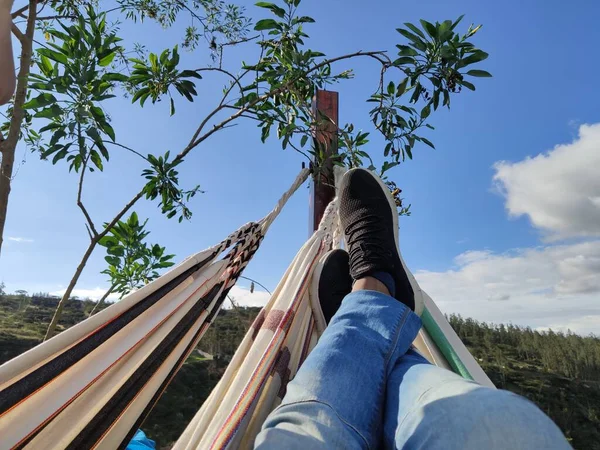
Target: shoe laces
370,242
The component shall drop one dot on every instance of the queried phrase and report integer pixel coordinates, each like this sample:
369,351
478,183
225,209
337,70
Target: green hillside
559,372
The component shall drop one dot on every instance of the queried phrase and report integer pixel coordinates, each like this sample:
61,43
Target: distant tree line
567,354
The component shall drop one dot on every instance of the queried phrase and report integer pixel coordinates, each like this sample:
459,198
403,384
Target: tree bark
8,147
99,302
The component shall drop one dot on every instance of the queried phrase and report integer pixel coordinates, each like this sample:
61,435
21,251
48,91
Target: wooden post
325,108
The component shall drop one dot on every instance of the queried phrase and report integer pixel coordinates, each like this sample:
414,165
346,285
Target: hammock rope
93,385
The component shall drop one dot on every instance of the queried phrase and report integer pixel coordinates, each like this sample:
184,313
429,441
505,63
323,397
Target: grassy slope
573,404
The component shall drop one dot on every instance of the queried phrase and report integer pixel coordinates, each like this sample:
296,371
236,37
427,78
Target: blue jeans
364,387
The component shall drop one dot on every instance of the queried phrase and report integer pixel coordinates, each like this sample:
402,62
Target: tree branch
56,17
121,213
256,282
235,79
126,148
380,56
80,203
20,36
101,300
19,12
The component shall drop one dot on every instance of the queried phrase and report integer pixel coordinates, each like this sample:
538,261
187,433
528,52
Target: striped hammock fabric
93,385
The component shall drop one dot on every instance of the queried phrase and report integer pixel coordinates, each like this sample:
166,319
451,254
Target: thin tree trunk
84,260
99,302
69,290
8,147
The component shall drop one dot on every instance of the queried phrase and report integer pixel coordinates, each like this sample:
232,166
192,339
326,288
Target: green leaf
416,93
172,106
436,99
405,50
445,31
402,87
428,142
388,165
108,241
40,101
112,76
304,19
52,112
98,114
57,136
139,93
54,56
425,111
475,57
479,73
60,155
190,73
265,24
106,60
391,88
456,22
468,85
45,66
430,28
404,60
50,126
279,12
415,29
387,149
410,36
108,129
112,260
95,157
93,133
303,140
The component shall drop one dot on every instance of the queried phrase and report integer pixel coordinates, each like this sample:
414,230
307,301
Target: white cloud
93,294
19,239
559,190
551,286
243,297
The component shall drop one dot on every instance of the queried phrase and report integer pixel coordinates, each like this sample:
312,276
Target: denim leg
430,407
337,398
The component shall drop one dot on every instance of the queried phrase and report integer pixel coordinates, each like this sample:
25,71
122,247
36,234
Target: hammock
94,384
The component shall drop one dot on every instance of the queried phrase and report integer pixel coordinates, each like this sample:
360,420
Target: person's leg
430,407
336,399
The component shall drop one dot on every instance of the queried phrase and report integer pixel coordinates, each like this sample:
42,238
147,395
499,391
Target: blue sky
502,242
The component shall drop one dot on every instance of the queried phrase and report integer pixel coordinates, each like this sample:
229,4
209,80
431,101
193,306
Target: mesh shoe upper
368,221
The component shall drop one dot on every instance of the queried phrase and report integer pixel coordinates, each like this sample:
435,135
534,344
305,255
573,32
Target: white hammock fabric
94,384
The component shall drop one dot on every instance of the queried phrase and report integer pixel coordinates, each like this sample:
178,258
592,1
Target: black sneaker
331,282
369,218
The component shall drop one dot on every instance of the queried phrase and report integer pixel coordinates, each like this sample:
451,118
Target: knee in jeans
484,417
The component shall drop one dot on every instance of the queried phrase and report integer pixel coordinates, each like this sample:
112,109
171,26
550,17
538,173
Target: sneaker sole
417,291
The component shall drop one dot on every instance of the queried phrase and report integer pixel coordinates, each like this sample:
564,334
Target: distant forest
566,354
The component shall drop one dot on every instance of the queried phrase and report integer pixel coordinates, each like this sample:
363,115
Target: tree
22,297
83,64
132,263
